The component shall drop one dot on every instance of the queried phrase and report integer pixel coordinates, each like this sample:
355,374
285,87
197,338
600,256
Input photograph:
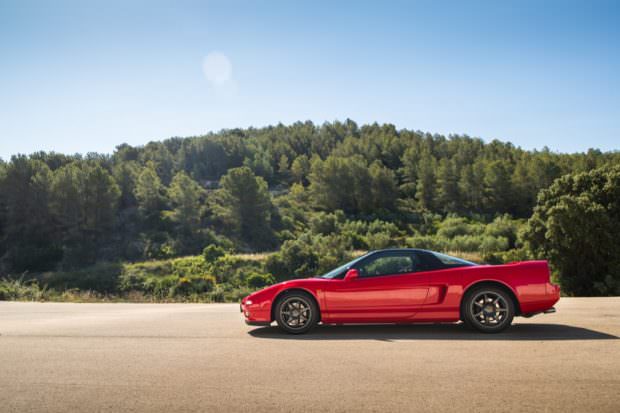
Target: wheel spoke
489,309
295,313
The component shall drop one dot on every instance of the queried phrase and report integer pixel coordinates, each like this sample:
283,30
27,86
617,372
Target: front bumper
256,314
257,323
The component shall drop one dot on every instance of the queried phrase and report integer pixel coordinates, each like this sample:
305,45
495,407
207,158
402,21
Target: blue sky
86,76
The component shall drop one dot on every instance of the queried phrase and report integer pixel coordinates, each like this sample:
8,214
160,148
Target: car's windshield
338,271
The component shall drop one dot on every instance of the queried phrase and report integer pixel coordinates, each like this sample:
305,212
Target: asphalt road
186,357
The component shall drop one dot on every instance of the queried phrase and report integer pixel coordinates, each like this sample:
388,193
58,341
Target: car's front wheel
296,313
488,309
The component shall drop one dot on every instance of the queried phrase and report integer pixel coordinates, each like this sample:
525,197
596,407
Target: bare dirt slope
185,357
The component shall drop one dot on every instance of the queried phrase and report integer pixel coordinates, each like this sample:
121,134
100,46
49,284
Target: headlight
248,302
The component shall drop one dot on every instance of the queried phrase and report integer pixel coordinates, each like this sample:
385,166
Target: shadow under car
388,332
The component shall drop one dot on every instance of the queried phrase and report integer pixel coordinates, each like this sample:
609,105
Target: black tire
296,312
488,309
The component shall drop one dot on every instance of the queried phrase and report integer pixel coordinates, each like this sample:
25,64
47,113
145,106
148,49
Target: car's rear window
450,261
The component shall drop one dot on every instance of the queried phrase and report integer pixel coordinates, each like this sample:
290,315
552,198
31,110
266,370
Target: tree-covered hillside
314,191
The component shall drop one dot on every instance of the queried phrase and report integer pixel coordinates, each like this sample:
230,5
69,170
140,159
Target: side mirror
351,274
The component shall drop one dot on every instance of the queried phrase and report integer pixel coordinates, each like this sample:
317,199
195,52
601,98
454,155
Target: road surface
203,358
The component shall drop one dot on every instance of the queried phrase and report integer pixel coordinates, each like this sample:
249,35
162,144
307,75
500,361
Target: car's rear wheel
296,313
488,309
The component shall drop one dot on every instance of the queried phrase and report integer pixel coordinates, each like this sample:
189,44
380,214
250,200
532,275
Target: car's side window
428,262
388,264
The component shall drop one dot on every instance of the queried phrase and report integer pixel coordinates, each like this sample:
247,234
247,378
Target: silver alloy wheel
489,309
296,312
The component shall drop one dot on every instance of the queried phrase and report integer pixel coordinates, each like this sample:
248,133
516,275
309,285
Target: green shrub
143,276
379,241
217,295
354,227
575,226
503,257
296,258
382,227
5,294
213,252
520,254
193,285
308,255
102,277
325,223
493,244
209,237
467,243
160,287
506,227
235,295
158,277
428,242
354,241
11,289
158,245
230,268
457,226
189,266
156,268
131,281
257,280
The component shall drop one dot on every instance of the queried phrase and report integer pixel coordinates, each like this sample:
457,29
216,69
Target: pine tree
447,183
186,198
426,184
149,191
244,206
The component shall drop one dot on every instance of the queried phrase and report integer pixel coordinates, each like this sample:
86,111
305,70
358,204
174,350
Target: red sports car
407,286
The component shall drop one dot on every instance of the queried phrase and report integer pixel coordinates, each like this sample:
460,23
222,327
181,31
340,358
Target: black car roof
400,249
417,250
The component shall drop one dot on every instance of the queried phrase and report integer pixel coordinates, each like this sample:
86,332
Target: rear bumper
539,300
553,291
547,311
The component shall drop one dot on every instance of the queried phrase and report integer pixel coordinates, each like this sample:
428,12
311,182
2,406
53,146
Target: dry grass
469,256
261,256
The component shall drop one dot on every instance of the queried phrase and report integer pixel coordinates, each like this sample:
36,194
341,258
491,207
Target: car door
444,288
389,288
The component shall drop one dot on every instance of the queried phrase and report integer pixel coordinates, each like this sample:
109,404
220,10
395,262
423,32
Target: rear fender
496,283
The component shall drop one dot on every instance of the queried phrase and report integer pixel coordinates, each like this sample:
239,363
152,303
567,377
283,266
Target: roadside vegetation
211,218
